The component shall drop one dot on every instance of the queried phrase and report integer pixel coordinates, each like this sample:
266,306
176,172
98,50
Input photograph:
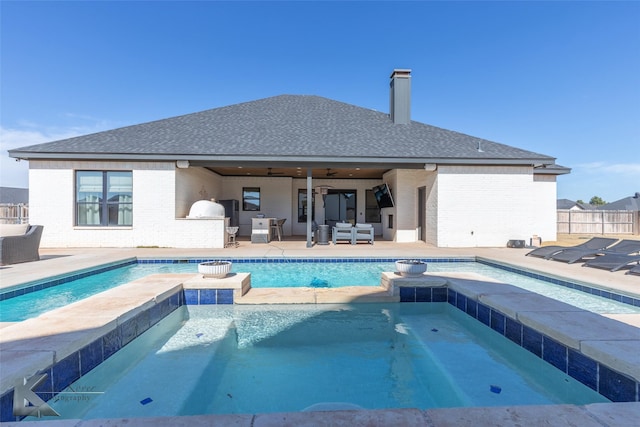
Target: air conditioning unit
515,244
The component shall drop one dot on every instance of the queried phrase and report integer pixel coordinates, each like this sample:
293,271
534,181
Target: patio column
309,208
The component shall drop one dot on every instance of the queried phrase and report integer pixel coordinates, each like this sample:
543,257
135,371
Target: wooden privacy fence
598,222
14,214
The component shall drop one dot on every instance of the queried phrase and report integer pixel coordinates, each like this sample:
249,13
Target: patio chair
634,270
231,233
342,231
276,227
22,246
597,243
362,232
612,262
624,247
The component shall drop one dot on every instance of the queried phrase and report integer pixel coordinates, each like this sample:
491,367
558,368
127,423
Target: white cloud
610,181
26,133
610,168
14,173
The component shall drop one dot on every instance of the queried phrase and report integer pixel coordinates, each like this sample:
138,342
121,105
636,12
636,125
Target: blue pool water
293,274
257,359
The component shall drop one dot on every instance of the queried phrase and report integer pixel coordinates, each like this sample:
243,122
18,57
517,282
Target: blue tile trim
65,372
555,353
484,314
407,294
513,330
422,294
609,383
616,387
59,280
297,260
438,294
192,296
583,369
579,287
208,296
532,340
497,321
6,407
224,296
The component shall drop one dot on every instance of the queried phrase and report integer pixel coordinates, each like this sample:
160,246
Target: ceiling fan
271,173
329,173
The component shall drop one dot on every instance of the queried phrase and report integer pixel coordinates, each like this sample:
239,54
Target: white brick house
449,189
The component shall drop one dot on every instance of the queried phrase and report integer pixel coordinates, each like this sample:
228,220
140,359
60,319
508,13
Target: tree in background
597,201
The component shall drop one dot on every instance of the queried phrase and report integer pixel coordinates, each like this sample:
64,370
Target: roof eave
286,160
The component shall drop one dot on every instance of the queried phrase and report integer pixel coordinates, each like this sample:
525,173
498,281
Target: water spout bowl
411,267
214,269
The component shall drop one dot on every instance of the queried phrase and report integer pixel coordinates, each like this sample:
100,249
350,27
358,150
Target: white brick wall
544,210
465,206
195,184
487,206
154,205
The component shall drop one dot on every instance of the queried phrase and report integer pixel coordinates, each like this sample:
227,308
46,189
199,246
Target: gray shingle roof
631,203
14,196
283,127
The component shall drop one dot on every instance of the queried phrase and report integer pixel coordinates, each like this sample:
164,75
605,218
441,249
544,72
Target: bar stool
232,231
276,226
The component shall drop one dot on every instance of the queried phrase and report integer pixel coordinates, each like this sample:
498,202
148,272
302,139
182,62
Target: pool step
347,294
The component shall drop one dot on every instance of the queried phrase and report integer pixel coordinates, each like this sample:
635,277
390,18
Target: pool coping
467,290
593,415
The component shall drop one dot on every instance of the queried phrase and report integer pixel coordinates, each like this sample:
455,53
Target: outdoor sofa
362,232
344,231
19,243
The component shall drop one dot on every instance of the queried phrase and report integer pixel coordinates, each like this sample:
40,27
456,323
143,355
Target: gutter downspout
309,207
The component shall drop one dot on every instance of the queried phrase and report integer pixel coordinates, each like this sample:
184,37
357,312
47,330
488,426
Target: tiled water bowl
214,269
411,268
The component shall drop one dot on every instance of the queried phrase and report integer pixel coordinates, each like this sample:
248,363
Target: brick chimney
400,96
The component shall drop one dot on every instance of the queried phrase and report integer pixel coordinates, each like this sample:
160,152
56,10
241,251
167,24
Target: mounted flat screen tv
383,196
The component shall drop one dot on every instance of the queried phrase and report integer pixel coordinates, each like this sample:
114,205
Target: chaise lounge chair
612,262
624,247
634,270
595,243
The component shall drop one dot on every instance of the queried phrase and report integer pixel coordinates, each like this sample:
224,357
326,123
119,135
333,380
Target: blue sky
558,78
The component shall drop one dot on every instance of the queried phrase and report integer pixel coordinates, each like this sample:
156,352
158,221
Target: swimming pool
238,359
20,305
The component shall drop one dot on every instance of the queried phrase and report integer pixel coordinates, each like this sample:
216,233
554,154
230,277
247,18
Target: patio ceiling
300,172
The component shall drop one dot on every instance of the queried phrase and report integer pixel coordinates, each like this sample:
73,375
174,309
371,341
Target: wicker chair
21,248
